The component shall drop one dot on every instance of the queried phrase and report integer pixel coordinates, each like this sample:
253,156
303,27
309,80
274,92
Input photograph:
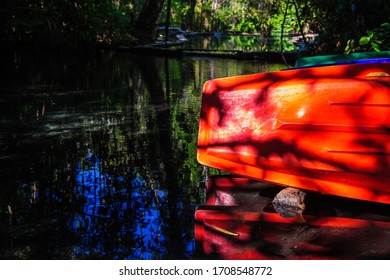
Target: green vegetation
376,39
342,25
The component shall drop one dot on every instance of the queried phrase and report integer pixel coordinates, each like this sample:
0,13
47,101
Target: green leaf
364,40
375,46
386,24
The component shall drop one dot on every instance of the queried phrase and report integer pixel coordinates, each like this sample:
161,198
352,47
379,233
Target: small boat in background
337,59
324,129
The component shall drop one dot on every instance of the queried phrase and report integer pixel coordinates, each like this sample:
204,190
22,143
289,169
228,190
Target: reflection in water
115,207
248,43
98,155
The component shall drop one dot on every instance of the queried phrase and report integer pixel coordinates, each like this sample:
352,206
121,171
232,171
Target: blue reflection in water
133,214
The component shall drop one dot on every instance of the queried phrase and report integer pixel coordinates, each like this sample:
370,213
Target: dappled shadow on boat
324,129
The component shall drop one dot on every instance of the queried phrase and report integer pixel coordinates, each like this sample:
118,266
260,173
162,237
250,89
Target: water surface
245,43
98,154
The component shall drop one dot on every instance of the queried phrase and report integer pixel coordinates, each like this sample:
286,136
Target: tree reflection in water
132,210
110,144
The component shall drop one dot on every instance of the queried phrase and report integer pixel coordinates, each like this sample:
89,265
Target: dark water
98,154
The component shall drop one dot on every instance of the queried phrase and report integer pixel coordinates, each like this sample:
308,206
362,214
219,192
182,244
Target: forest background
343,25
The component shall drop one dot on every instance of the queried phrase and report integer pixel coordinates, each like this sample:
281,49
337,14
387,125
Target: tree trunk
191,15
168,21
145,25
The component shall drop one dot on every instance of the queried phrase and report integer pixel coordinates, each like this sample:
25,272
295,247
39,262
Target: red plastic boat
324,129
238,222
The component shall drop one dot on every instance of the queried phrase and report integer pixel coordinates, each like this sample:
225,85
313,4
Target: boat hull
238,222
324,129
337,59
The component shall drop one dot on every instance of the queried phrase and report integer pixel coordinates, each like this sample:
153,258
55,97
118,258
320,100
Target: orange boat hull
238,221
324,129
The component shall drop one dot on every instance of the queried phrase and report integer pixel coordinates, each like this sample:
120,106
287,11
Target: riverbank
230,46
269,56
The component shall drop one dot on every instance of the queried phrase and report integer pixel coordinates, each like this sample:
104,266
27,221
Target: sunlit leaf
375,46
386,25
364,40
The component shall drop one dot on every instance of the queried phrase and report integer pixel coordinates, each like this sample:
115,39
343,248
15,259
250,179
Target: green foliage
376,39
342,25
65,23
258,17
